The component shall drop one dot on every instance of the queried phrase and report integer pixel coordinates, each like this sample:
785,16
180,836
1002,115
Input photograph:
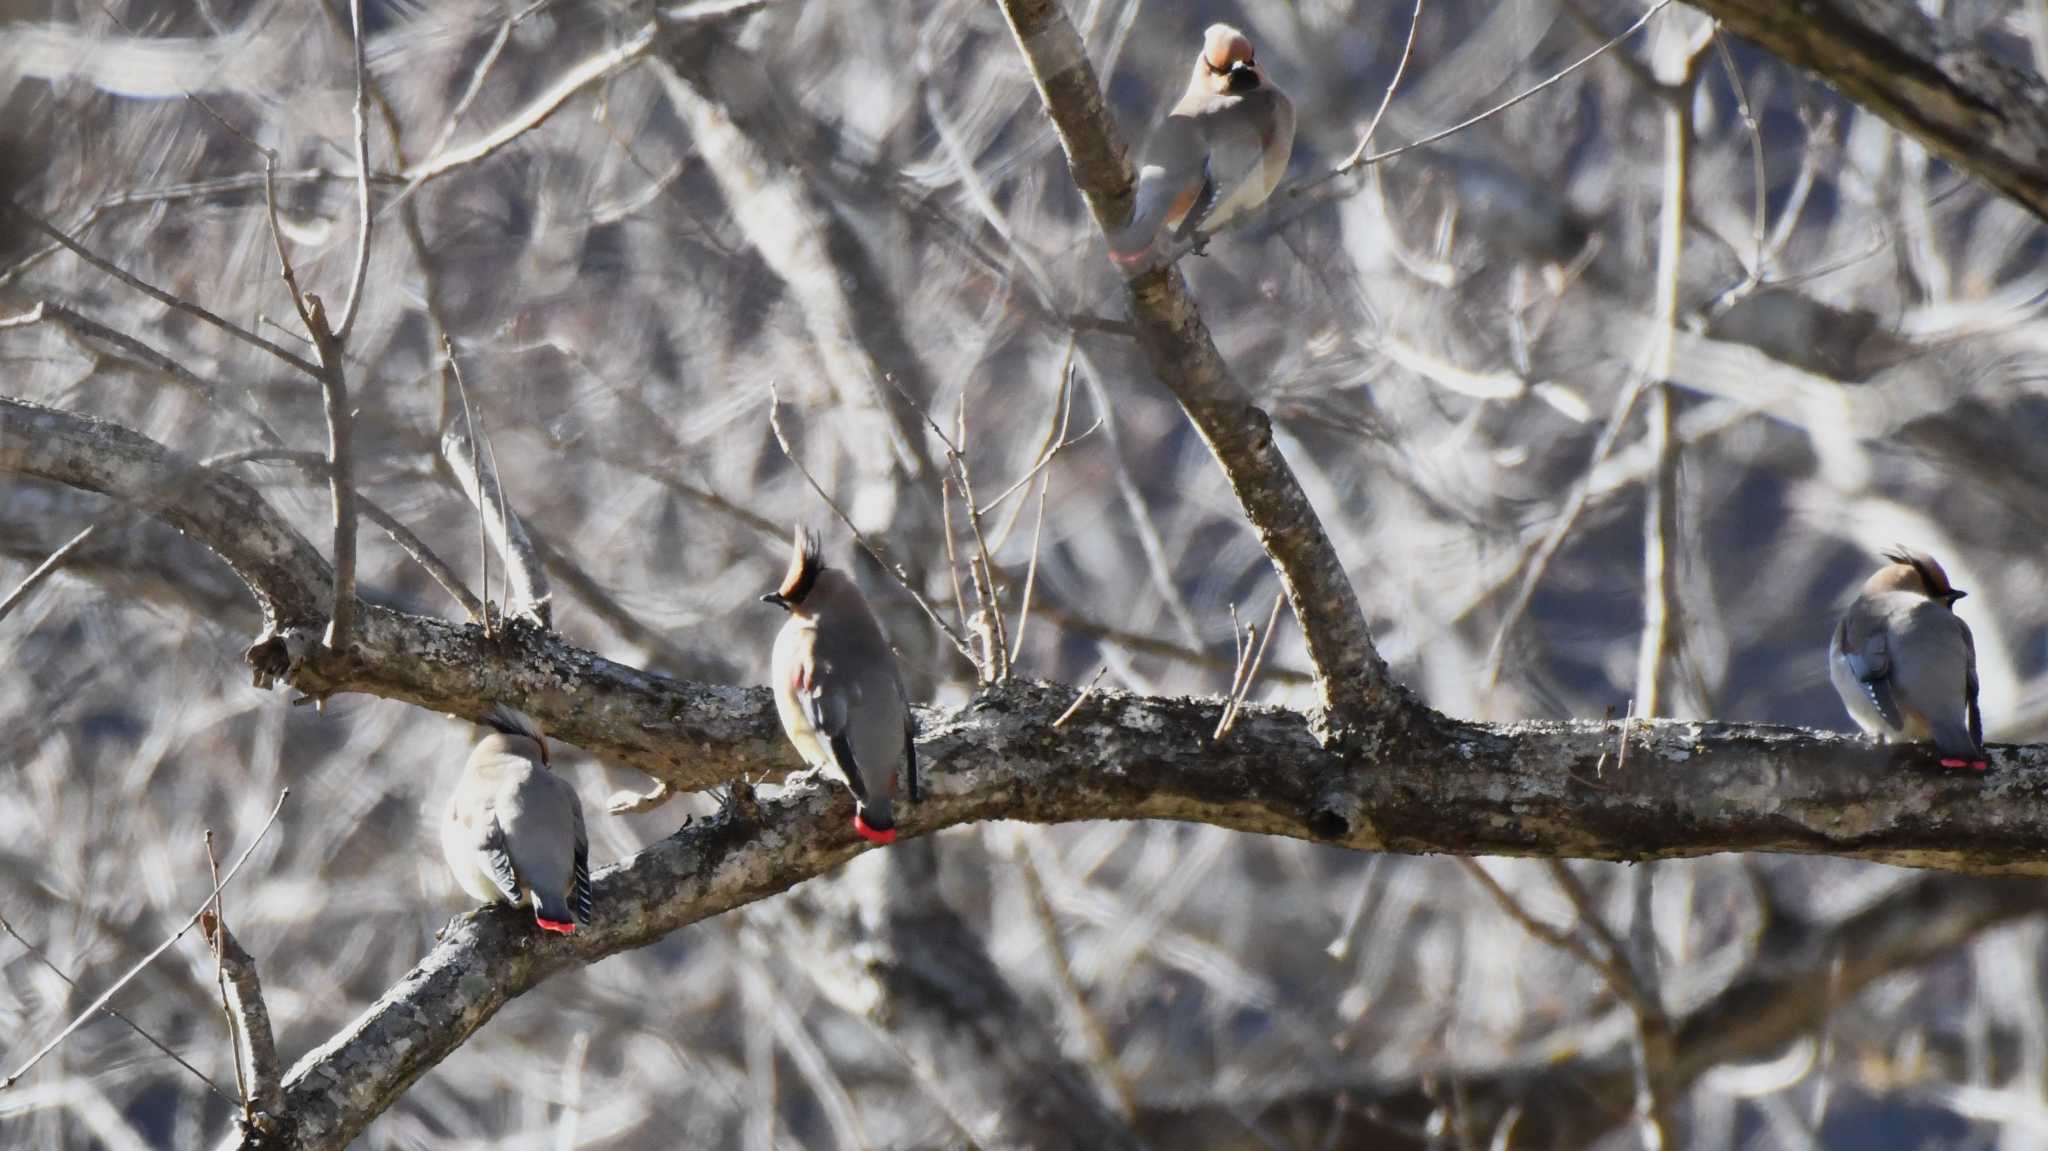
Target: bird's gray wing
911,779
826,705
1976,718
1205,201
496,855
579,896
1869,659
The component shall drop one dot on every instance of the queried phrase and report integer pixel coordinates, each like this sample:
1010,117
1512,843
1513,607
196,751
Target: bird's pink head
1224,46
1914,571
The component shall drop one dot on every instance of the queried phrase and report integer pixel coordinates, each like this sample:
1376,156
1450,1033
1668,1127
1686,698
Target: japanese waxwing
837,690
1903,661
514,832
1220,152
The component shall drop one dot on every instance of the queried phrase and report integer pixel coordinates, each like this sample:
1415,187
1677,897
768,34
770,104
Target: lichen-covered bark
1351,679
1986,116
1548,789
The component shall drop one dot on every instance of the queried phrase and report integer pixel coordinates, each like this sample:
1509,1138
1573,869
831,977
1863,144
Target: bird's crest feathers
1933,577
805,562
509,720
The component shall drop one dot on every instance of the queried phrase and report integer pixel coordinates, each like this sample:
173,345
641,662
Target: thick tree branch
1351,679
1551,789
1984,115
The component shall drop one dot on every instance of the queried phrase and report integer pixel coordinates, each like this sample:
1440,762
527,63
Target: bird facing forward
1220,153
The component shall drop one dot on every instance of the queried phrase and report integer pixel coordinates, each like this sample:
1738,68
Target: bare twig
1661,628
1030,572
213,927
158,294
1243,688
1657,1048
584,74
104,996
1400,70
256,1047
361,272
341,486
46,569
468,453
314,464
1358,160
1063,717
36,953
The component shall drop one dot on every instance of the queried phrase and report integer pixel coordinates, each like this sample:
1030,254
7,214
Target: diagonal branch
1983,114
1351,679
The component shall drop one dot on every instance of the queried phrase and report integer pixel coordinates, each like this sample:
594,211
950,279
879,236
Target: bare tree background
1603,404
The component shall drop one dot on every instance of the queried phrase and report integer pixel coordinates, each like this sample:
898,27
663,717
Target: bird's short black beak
1954,595
775,597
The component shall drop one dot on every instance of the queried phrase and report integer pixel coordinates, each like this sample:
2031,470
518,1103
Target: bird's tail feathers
1953,738
875,822
553,914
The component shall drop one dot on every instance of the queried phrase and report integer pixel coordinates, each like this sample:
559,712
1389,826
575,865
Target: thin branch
1357,161
1030,572
36,953
213,928
585,73
362,114
104,996
158,294
46,569
341,486
1387,98
314,465
469,455
1258,656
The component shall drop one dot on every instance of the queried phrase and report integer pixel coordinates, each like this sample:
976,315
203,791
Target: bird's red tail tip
555,926
881,836
1972,764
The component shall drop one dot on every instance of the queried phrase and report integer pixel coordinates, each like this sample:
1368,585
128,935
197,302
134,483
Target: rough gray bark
1986,116
1351,678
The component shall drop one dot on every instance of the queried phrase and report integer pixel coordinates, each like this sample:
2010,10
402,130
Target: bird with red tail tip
514,831
1905,664
1220,153
837,690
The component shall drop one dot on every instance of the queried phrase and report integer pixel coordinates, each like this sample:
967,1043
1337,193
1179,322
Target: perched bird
1904,663
836,688
514,832
1220,152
